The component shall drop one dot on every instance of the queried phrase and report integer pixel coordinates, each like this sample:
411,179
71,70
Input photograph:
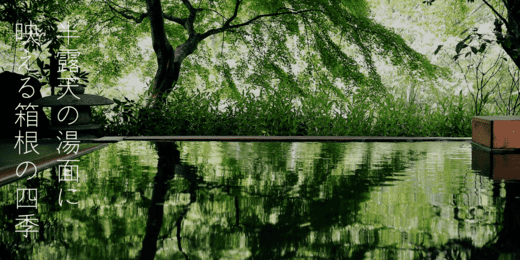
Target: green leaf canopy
317,45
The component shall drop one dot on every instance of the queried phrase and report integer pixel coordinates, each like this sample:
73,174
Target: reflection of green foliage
268,201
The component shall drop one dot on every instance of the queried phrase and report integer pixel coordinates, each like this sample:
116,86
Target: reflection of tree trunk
188,173
169,156
510,221
504,243
168,165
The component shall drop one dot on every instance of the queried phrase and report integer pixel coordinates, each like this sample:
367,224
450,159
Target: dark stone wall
10,84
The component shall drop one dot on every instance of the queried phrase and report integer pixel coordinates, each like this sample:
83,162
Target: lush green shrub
274,113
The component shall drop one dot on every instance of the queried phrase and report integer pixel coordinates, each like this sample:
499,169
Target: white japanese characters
26,115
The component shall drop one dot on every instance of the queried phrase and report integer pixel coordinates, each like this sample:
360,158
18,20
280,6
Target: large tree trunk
168,62
511,41
164,77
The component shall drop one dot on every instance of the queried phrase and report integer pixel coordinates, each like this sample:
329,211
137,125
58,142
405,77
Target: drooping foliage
314,45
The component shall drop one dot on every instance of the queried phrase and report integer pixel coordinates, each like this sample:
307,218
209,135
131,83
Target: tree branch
188,22
214,11
130,17
97,33
499,16
476,9
234,14
190,7
180,21
92,25
268,15
226,27
143,15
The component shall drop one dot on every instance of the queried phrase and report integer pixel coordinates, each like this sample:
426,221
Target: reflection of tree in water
299,216
50,227
503,245
307,213
168,165
324,203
